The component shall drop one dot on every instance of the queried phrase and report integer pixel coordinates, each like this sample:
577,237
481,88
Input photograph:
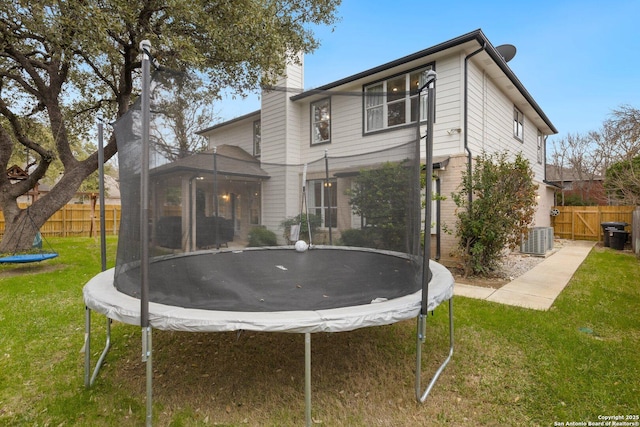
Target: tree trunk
19,233
22,225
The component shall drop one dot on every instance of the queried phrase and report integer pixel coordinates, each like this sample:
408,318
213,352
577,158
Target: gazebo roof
230,160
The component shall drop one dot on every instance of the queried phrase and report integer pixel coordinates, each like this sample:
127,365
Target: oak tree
62,62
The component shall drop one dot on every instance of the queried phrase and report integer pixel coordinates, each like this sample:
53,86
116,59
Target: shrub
383,196
504,200
260,236
355,237
314,222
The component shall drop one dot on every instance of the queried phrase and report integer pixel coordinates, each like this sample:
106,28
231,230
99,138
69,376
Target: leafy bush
260,236
503,206
383,197
313,220
360,238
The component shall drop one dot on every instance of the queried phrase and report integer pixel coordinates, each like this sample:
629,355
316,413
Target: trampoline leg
87,347
146,357
88,381
420,396
307,379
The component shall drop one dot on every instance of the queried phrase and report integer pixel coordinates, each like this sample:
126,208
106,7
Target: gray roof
230,160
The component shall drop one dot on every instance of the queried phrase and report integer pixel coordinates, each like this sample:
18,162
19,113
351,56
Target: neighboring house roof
230,160
558,174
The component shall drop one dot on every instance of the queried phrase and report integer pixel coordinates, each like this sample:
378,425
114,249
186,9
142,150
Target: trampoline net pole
431,78
145,47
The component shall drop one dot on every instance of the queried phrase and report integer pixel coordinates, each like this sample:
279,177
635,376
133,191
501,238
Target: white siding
281,145
490,121
238,133
347,119
449,107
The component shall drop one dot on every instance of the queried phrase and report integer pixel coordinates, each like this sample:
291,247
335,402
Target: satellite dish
508,51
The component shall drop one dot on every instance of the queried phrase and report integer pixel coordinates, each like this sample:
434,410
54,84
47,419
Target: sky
578,59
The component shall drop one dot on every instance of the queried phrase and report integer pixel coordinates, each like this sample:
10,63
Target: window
518,124
257,138
540,147
322,200
394,102
254,204
321,122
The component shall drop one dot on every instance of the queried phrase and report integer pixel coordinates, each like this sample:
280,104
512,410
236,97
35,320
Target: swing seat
26,258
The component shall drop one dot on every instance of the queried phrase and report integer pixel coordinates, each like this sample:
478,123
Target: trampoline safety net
316,211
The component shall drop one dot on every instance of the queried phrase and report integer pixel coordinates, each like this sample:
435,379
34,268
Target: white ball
301,246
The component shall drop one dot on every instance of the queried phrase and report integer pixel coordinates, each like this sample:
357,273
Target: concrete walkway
539,287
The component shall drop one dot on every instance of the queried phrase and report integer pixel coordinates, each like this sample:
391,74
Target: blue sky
578,59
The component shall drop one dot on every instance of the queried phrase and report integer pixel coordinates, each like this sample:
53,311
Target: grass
511,366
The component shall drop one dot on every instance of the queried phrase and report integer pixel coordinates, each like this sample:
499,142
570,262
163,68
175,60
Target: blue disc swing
37,255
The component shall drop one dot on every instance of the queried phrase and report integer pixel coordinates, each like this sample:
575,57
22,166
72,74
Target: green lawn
512,366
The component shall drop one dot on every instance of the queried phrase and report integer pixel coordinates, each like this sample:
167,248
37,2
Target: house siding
449,108
491,122
286,134
239,133
280,133
490,127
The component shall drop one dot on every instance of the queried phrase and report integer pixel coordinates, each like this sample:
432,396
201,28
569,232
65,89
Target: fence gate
583,222
586,225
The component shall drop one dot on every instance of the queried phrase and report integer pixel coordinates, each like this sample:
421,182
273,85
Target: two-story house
480,106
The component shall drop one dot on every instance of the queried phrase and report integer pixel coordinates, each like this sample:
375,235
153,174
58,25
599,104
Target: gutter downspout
438,235
466,109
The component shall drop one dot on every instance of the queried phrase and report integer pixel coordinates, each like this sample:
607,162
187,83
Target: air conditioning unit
538,241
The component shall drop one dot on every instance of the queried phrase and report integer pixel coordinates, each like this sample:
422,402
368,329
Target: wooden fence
77,220
573,222
583,222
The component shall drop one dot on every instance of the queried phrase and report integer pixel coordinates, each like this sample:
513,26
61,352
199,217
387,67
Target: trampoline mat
276,279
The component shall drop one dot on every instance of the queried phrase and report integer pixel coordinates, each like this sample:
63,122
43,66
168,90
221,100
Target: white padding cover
102,296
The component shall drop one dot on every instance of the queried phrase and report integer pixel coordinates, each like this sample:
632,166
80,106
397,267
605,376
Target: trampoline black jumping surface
276,279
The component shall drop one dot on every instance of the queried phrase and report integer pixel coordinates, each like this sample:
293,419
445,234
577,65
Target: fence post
635,231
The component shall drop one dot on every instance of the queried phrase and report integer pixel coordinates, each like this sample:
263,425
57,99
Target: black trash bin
618,238
613,226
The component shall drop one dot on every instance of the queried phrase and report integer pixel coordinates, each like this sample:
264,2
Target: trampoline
281,290
368,265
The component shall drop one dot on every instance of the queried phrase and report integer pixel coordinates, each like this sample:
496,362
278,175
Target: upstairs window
518,124
257,139
321,122
540,147
394,102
